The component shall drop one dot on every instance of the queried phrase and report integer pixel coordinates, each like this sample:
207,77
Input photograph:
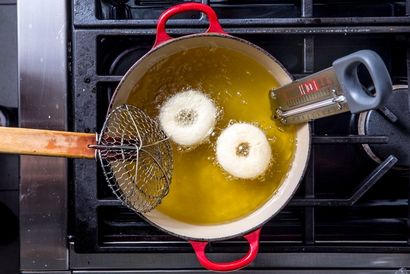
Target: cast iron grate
345,202
288,12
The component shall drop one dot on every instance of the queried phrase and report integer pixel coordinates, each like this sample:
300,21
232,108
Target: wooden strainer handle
46,142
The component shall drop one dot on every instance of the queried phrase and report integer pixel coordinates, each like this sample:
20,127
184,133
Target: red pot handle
253,240
162,35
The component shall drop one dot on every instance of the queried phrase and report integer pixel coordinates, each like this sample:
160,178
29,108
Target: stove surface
350,211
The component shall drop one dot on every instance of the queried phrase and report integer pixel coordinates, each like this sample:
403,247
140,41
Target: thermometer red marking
308,87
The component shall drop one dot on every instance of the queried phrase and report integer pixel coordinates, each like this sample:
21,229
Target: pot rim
267,54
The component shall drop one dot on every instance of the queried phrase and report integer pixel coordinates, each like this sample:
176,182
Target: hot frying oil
201,192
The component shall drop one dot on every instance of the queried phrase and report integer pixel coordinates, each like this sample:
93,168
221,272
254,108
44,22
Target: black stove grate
345,203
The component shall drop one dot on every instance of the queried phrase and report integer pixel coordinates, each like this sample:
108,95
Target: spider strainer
134,153
136,158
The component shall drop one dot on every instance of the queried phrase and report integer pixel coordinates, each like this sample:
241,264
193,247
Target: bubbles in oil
272,139
238,86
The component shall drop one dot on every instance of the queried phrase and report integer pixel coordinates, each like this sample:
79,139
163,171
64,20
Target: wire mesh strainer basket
136,158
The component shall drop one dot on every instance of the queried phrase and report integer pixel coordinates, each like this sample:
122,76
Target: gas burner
119,9
126,59
393,121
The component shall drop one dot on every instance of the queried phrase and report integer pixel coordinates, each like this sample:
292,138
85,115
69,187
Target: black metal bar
308,54
310,30
408,7
408,69
388,114
112,202
364,186
408,212
276,249
319,202
108,78
251,22
408,96
350,139
372,178
310,194
136,29
84,117
307,8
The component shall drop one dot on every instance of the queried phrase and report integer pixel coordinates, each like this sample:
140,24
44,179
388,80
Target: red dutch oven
249,226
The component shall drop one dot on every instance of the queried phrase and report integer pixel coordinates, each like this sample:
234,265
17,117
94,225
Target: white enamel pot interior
167,47
289,185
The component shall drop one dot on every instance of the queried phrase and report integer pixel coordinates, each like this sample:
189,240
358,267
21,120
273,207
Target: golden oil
201,192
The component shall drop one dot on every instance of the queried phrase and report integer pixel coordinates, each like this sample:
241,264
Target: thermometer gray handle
357,98
334,90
